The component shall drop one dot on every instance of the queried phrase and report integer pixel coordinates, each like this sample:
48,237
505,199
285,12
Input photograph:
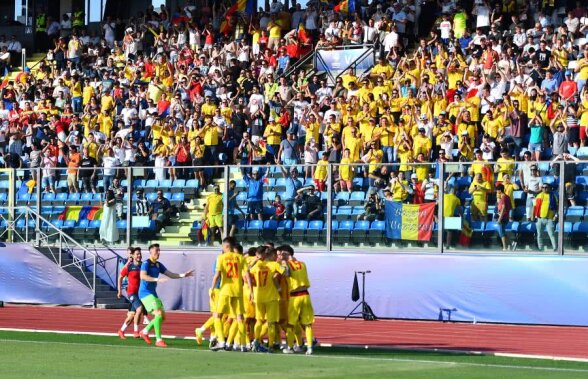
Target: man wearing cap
545,212
422,143
293,184
568,88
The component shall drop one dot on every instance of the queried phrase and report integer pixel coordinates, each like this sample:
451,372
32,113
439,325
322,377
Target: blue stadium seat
151,196
121,224
343,213
254,228
23,198
575,214
48,198
87,197
192,183
151,184
359,184
73,198
139,183
376,232
165,185
356,211
271,182
177,198
344,231
285,228
299,230
360,231
314,230
270,228
342,198
357,198
3,197
463,182
178,185
96,198
94,224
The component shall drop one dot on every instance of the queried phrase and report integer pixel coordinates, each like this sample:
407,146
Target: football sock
257,330
242,334
290,336
298,335
272,334
124,326
309,336
157,325
232,332
218,325
264,329
136,327
208,324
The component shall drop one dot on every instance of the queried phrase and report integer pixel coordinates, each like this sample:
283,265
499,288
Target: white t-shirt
483,16
445,28
108,163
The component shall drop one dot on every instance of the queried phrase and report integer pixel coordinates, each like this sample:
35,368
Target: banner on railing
81,212
409,221
335,61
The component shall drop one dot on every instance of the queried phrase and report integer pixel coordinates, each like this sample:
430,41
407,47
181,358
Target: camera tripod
366,311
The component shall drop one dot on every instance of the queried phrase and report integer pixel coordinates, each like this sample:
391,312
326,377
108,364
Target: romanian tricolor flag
301,33
409,221
5,80
245,6
346,6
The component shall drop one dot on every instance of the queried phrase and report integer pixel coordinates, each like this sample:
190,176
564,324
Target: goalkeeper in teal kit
150,270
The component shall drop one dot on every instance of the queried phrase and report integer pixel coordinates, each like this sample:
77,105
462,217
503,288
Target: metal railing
40,232
138,177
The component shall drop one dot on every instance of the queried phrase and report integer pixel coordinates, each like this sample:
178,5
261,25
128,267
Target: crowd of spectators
485,82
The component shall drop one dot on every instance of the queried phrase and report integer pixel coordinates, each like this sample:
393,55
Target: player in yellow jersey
299,306
231,270
209,324
266,294
249,304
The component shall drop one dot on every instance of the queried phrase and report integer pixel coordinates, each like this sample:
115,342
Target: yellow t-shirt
505,166
275,31
273,132
298,277
450,203
346,171
321,170
215,204
231,267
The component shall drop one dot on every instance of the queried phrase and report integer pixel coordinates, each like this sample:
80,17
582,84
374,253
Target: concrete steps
105,295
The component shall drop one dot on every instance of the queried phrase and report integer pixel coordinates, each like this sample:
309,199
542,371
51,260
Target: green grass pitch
50,355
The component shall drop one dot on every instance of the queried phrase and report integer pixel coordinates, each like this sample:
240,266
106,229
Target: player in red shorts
132,271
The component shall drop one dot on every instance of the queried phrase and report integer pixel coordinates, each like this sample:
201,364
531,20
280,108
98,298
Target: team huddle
252,298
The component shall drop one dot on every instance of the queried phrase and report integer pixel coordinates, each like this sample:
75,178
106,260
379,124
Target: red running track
551,341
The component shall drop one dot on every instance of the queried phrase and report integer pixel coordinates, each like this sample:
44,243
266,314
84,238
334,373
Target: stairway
105,294
176,234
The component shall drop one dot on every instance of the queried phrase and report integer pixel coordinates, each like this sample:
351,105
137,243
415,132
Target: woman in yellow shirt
479,190
399,187
321,173
346,172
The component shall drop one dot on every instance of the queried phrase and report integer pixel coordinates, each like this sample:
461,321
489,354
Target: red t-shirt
133,274
567,88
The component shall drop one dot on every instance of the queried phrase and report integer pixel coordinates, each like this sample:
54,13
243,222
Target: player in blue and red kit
132,271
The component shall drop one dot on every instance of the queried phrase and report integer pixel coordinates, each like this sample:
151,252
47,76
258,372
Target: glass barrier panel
495,207
278,204
575,220
392,207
